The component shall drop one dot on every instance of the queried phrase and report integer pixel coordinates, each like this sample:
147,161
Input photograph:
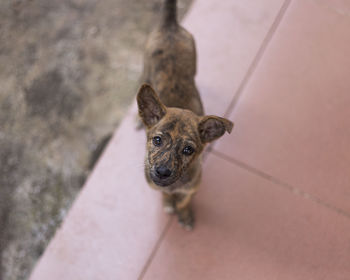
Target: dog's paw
186,219
169,209
187,224
168,204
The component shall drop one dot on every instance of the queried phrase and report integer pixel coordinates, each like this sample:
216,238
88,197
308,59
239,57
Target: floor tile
292,120
228,35
114,224
250,228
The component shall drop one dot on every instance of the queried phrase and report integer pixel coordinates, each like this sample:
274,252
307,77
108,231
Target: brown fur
172,112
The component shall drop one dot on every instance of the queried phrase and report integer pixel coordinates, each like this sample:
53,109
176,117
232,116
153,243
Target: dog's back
170,63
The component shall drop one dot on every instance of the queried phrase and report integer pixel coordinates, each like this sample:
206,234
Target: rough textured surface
69,70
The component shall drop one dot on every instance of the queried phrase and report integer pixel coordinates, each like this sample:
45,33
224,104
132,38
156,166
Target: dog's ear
212,127
151,109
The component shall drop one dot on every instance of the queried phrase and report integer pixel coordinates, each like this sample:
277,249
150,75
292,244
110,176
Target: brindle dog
177,131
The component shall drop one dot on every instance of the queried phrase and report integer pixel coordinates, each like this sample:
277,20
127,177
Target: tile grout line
280,183
155,249
258,57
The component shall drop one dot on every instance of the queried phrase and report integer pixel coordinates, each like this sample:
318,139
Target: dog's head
175,137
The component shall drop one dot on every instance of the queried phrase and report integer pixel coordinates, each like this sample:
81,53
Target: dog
172,112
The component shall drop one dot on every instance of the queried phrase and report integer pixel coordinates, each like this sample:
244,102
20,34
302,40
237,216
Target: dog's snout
163,172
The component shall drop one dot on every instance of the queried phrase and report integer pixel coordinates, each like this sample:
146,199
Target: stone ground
70,69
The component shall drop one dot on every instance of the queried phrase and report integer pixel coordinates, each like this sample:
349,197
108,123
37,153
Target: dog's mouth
162,178
162,182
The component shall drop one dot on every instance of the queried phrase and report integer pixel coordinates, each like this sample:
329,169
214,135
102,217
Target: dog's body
177,132
170,63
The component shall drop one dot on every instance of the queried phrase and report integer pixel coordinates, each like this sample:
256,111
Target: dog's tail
169,18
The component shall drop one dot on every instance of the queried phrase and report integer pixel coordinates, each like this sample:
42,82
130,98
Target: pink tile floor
275,198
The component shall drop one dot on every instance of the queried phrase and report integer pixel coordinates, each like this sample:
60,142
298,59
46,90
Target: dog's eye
157,141
188,150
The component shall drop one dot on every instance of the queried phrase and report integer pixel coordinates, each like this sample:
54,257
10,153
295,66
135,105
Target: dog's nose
163,172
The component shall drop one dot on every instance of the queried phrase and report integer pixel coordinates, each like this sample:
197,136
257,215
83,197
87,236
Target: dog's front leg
169,203
184,210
